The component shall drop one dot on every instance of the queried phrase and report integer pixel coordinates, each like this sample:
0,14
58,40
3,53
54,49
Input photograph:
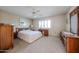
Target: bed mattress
29,36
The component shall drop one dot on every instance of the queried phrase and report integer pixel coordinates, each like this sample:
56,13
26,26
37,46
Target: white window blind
44,24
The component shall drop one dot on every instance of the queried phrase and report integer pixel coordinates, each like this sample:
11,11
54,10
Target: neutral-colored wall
26,21
58,23
9,18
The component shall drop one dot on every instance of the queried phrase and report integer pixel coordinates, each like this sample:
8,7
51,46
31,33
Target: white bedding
29,36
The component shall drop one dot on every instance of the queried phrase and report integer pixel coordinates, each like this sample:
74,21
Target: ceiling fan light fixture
33,12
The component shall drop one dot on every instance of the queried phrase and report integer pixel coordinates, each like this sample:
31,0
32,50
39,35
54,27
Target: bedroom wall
58,23
8,18
27,22
15,20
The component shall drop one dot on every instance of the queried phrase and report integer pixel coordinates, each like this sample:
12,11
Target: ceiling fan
35,13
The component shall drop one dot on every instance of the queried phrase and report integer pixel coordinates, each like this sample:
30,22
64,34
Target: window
44,24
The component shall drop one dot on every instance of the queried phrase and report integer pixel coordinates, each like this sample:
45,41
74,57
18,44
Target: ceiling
33,12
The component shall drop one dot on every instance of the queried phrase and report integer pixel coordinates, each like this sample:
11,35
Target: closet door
6,37
9,36
2,37
2,42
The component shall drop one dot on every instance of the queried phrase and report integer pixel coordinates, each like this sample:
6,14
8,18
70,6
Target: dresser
6,36
45,32
70,42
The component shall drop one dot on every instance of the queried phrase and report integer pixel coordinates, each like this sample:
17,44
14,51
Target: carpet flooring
49,44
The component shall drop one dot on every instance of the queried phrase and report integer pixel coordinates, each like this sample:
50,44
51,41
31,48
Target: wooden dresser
71,42
6,36
45,32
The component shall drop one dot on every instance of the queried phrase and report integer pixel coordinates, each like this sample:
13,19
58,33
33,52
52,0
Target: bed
29,35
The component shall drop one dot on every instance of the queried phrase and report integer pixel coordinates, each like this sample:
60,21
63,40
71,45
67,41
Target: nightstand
15,35
44,32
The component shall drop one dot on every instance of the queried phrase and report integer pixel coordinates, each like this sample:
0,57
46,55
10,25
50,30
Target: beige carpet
42,45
